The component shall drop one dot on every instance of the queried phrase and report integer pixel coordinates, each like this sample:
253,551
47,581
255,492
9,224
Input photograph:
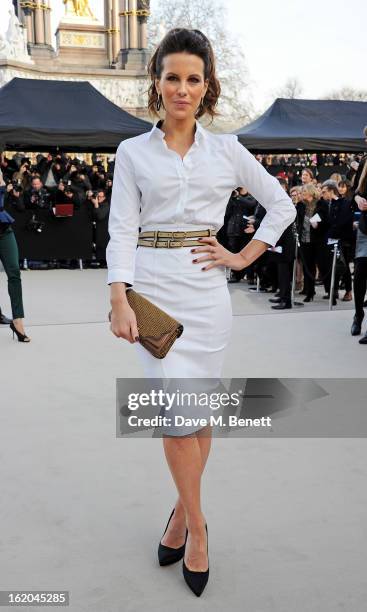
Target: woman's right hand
123,322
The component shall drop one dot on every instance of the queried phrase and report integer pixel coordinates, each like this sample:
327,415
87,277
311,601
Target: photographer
94,176
8,167
80,184
108,188
65,194
101,206
14,196
23,176
50,170
37,196
100,213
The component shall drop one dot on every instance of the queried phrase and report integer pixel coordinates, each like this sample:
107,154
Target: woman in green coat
9,257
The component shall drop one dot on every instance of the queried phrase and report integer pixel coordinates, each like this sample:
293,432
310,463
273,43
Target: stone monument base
133,59
80,42
41,52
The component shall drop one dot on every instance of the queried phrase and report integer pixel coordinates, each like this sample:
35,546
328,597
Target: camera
16,187
41,198
34,225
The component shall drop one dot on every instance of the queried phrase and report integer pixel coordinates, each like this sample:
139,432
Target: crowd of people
58,179
303,160
327,213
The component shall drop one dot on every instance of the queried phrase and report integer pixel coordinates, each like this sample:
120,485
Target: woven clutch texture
157,329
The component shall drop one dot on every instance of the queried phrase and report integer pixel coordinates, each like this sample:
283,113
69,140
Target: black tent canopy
42,115
311,125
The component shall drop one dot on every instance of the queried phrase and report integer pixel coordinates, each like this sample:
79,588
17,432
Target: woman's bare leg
175,534
187,457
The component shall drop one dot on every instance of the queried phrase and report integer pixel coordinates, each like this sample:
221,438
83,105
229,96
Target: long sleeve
123,225
280,210
100,213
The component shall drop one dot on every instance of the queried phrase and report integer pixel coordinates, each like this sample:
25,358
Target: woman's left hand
217,255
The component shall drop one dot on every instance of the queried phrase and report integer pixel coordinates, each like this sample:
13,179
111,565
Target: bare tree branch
348,93
291,89
210,16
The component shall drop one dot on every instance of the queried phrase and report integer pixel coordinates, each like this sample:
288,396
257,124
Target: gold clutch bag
157,329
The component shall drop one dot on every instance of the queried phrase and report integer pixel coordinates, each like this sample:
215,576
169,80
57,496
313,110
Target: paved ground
83,511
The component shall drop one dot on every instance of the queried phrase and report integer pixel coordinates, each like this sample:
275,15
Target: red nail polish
203,268
194,260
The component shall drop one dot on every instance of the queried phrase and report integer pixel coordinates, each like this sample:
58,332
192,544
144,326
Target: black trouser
285,273
235,245
360,285
340,269
312,254
9,257
266,269
348,252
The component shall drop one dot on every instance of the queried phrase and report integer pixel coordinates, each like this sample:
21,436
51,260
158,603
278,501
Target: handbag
157,329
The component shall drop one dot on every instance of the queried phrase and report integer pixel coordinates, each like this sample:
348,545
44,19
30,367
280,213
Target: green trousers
9,257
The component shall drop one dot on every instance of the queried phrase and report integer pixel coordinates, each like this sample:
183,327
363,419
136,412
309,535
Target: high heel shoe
308,298
21,337
196,580
356,328
167,554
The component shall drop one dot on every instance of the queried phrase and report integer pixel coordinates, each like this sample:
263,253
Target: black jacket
61,198
237,207
341,220
101,213
287,240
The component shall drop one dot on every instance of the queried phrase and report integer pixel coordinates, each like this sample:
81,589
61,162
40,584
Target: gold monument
78,8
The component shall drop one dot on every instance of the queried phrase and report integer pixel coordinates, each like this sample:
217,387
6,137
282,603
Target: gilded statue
144,5
78,8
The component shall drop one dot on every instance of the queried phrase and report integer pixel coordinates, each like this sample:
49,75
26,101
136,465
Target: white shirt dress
155,189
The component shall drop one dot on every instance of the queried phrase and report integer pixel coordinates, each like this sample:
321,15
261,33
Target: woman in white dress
178,178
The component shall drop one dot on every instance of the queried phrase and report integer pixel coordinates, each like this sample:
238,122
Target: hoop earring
159,102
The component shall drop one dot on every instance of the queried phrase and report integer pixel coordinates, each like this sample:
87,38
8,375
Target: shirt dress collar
157,132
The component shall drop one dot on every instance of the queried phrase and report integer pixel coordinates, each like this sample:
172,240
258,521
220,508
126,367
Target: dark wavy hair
195,42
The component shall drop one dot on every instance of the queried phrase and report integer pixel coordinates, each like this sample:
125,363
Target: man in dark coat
240,206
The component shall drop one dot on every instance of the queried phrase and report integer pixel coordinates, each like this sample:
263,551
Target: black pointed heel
308,298
21,337
356,328
197,581
168,555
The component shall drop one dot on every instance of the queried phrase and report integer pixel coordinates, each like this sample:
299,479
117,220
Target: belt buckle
179,235
155,238
172,244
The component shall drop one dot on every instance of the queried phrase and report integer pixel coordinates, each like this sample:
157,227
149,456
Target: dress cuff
119,276
266,235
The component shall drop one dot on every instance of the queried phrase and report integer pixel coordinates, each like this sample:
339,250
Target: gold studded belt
172,240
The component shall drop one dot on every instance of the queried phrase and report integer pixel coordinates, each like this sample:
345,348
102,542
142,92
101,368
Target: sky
321,42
